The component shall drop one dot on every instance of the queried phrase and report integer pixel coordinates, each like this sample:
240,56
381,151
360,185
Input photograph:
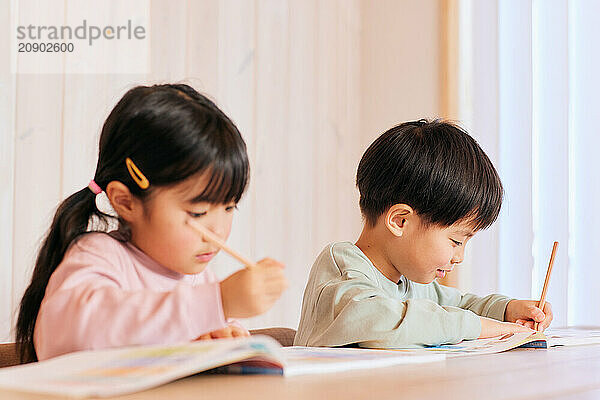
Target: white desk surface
559,373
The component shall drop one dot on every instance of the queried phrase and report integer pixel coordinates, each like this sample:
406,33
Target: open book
124,370
551,338
564,337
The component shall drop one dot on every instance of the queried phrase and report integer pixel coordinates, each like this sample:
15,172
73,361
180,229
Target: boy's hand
526,313
252,291
230,331
492,328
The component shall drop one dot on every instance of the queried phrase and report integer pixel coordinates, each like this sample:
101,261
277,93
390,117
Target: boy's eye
196,215
456,242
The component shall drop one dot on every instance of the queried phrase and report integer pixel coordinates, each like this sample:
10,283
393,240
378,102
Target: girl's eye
196,215
456,242
231,208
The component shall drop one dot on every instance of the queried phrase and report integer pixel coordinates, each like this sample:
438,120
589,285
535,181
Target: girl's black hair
171,132
434,167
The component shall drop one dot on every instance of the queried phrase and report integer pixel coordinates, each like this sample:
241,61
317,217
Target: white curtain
529,79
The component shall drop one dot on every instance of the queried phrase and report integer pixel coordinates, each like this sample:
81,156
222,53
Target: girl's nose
218,225
215,230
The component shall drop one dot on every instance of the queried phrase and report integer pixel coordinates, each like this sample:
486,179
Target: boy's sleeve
353,309
491,306
86,307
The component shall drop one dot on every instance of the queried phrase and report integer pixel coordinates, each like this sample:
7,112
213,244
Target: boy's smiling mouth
441,272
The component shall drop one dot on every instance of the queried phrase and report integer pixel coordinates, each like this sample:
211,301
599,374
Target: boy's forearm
491,306
383,323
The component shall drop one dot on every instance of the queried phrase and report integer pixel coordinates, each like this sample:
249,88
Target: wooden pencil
542,302
211,237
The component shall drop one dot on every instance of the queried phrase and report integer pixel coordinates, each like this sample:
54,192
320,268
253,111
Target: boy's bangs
487,212
483,203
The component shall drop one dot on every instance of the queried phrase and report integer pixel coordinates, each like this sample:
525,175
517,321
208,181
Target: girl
167,154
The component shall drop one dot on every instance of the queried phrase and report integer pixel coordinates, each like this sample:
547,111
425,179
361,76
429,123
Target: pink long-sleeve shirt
108,293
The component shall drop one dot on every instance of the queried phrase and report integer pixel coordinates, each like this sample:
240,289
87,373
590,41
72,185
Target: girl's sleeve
230,321
353,309
86,307
491,306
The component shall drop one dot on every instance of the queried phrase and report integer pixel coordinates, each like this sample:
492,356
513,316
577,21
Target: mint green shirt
347,300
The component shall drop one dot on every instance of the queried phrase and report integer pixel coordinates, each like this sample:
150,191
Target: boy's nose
457,258
454,262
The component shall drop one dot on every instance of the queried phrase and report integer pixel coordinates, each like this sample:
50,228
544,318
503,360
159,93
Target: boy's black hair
434,167
171,132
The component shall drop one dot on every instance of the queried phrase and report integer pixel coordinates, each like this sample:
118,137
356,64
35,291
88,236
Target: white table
559,373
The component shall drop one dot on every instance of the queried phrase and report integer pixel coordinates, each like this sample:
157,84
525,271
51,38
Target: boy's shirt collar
398,290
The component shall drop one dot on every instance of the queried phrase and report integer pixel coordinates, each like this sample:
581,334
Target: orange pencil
211,237
545,289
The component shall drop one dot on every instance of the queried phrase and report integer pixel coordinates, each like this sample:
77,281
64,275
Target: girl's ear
397,218
124,203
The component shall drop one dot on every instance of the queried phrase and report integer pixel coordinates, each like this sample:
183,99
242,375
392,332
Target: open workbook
124,370
119,371
550,338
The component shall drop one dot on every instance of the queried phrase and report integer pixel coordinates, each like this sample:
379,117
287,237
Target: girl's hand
230,331
252,291
492,328
526,313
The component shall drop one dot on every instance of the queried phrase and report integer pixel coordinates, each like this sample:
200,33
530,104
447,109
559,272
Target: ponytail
70,221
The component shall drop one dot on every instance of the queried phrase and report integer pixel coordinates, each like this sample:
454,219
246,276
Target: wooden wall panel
169,28
235,93
301,135
38,152
7,143
291,75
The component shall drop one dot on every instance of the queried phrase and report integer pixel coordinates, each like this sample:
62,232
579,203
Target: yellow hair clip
136,174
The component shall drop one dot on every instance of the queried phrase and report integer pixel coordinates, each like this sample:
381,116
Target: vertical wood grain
448,70
289,74
168,28
7,148
38,152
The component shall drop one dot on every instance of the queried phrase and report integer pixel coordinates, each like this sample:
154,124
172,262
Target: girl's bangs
228,178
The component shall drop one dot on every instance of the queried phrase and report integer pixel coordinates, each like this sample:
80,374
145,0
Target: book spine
536,344
246,370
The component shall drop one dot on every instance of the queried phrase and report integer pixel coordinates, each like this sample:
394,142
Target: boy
425,189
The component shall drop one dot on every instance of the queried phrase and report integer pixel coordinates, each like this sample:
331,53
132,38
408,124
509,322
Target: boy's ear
397,218
123,202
